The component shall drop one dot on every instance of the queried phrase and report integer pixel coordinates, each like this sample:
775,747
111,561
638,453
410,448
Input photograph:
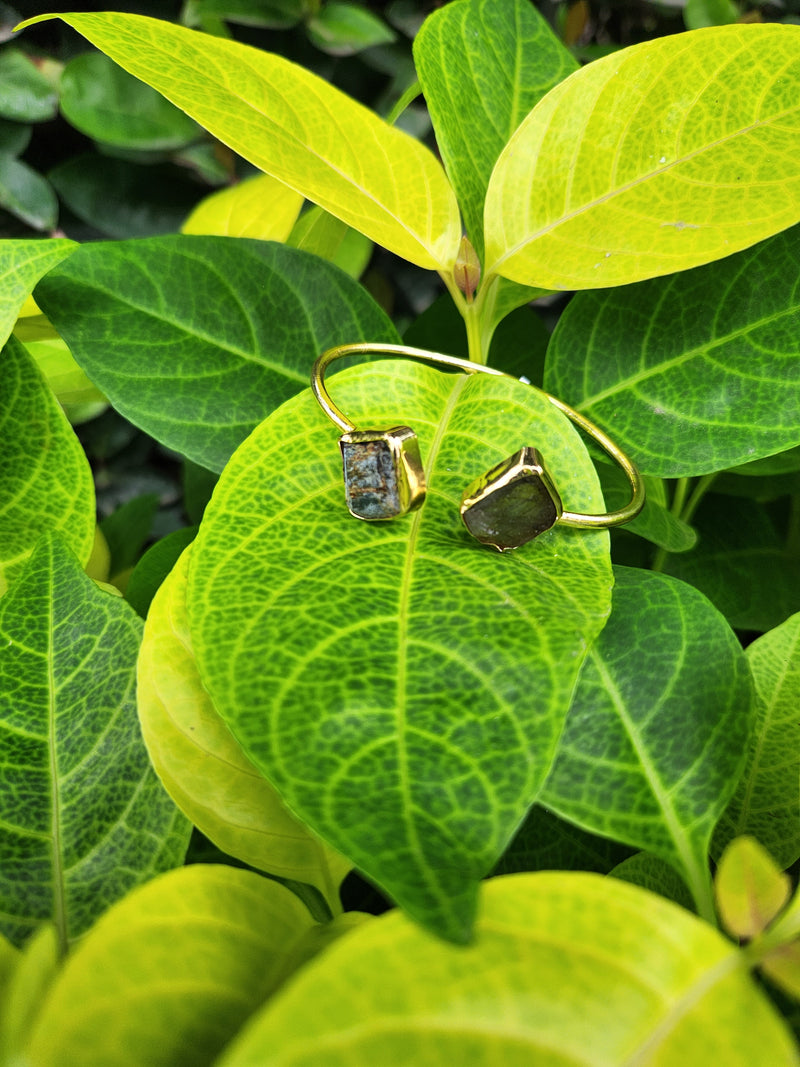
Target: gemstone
383,476
512,503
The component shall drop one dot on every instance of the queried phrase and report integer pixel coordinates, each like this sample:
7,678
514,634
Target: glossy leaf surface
681,992
656,158
296,127
196,951
694,373
26,95
411,745
199,374
766,803
483,65
26,194
204,769
342,29
103,101
260,207
45,478
750,888
655,738
84,818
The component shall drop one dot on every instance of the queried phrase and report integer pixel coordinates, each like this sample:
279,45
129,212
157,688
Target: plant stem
683,508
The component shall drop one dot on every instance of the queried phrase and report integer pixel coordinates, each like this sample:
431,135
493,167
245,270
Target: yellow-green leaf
171,972
750,887
567,970
36,968
203,768
259,207
653,159
296,127
782,966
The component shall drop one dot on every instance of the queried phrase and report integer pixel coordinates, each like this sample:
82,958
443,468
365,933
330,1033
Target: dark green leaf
84,818
127,529
483,65
198,485
14,137
27,194
103,101
741,563
402,686
655,737
196,339
154,566
693,373
655,522
545,842
654,874
699,13
344,29
274,14
125,199
26,95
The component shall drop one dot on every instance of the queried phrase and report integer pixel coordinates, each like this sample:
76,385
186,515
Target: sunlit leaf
413,746
296,127
656,158
566,969
750,888
260,207
202,766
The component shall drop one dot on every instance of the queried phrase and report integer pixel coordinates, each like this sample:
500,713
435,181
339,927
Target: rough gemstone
512,503
382,472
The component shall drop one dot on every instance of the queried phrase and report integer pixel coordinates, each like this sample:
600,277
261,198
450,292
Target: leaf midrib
567,217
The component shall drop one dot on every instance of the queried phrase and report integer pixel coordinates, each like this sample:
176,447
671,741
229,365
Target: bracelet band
384,477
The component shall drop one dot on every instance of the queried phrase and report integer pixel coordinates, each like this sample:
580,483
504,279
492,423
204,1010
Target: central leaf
402,686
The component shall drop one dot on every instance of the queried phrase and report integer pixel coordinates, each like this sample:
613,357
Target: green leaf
655,737
319,232
655,522
700,13
274,14
127,529
691,374
193,953
22,264
750,888
741,563
14,137
659,157
344,29
122,198
259,207
83,816
104,102
154,566
782,966
199,373
414,747
51,355
45,478
766,803
295,126
656,875
483,65
36,968
26,95
546,843
204,769
26,194
553,951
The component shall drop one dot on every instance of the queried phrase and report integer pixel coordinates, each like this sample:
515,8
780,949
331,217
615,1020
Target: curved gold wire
567,518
